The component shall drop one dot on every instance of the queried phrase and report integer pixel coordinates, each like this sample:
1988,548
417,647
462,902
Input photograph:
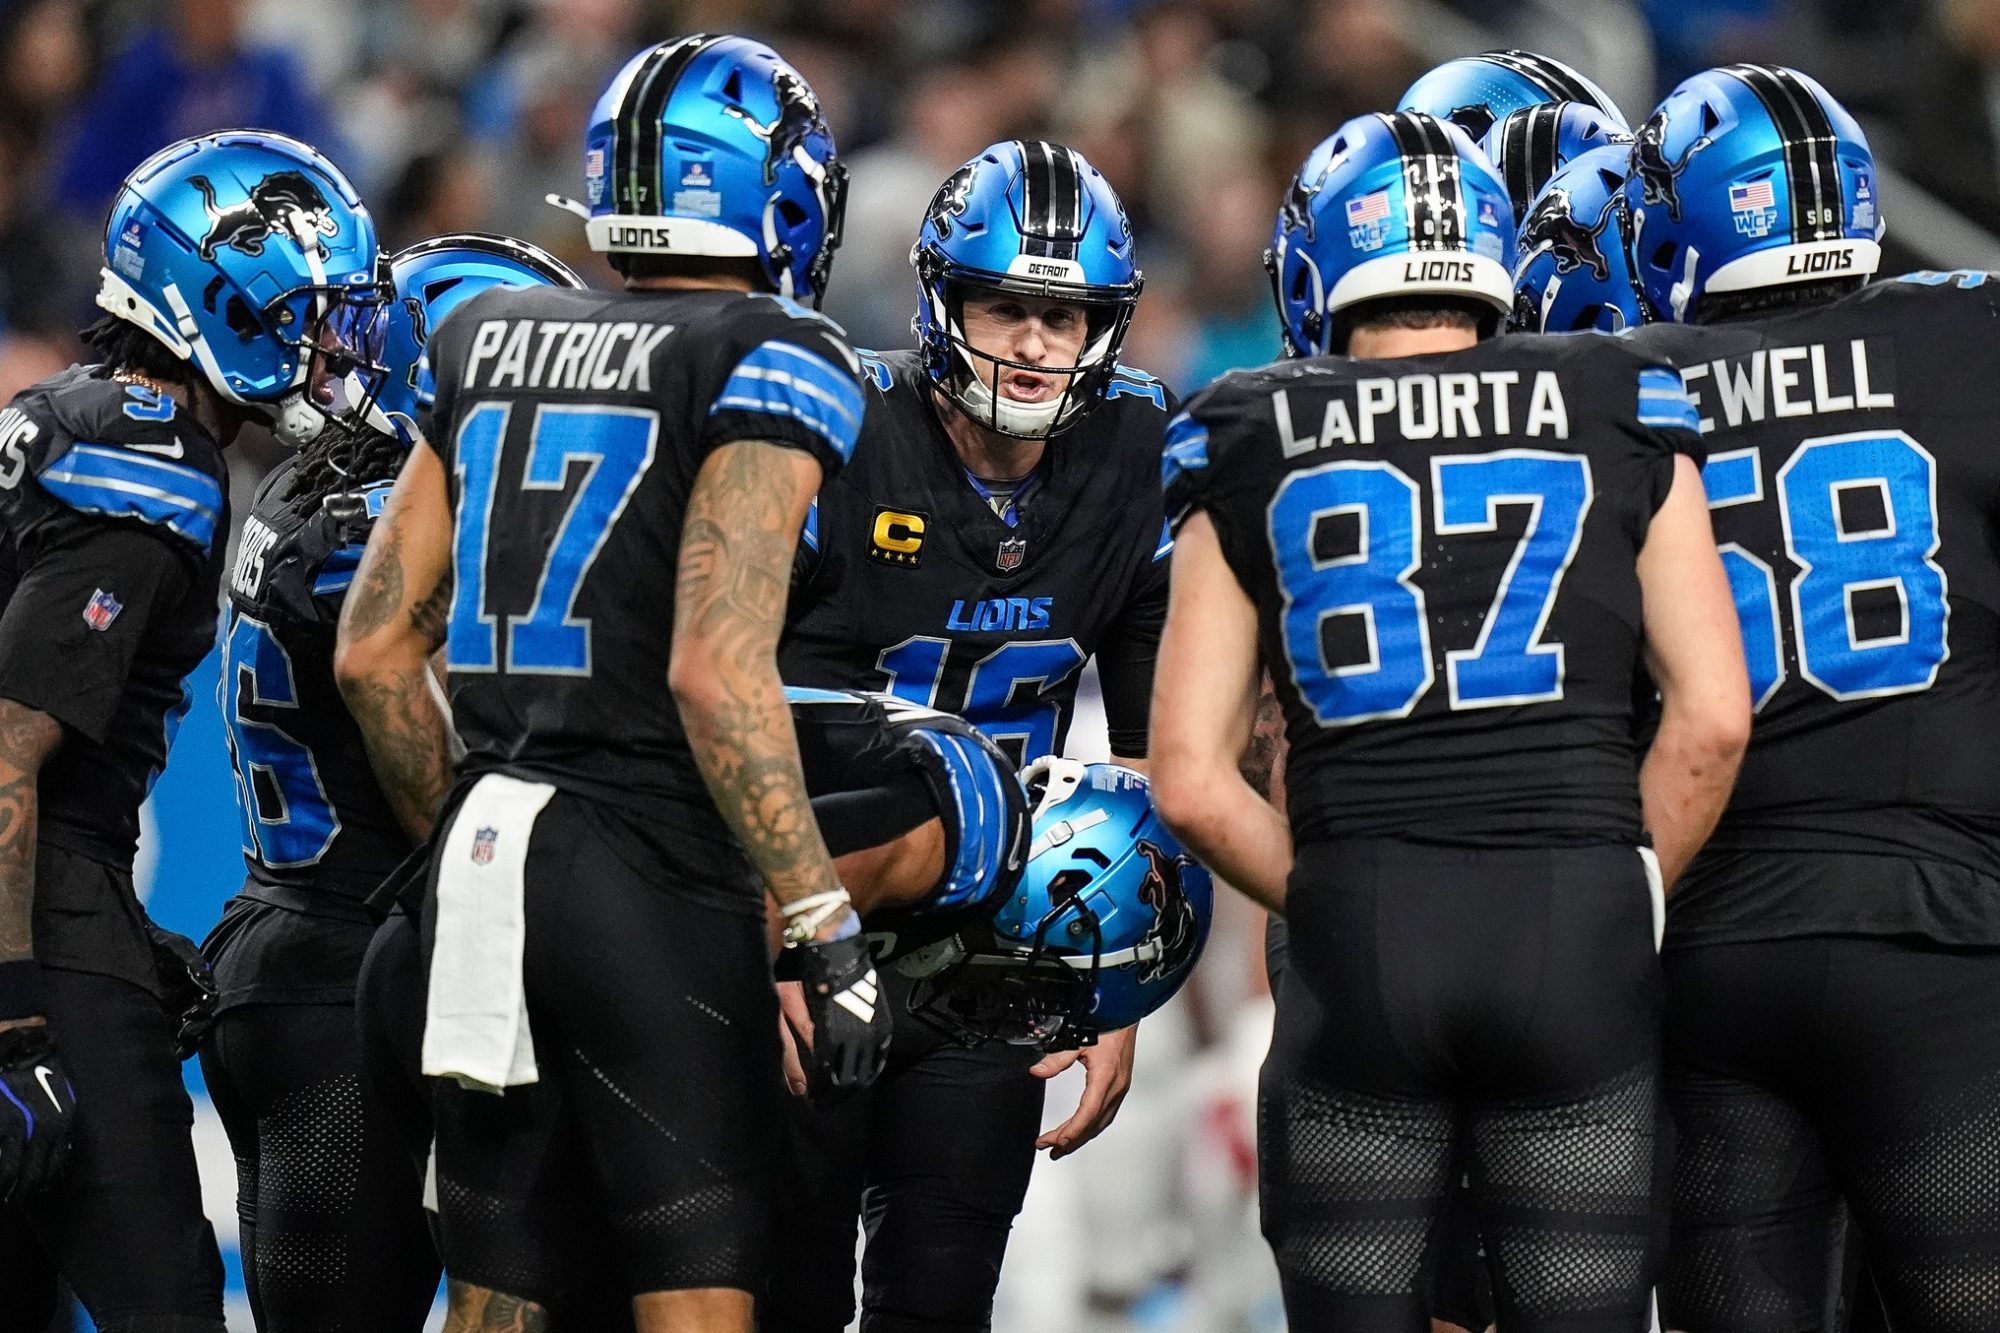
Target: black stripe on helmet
1559,81
1812,177
1826,161
1036,192
1431,195
1066,205
1442,167
1544,124
637,186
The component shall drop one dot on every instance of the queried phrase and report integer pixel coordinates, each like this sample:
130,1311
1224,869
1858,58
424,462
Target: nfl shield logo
101,610
482,845
1012,551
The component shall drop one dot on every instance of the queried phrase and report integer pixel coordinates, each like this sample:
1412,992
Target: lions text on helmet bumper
668,236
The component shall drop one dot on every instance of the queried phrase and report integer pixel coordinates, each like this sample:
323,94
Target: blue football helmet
1532,144
1574,272
713,145
1035,219
1104,926
1390,205
1473,92
431,279
248,255
1749,177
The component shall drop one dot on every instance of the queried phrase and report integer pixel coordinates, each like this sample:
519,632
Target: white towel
476,1014
1656,891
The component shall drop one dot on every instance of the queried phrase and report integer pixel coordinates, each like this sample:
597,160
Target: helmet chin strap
976,396
295,419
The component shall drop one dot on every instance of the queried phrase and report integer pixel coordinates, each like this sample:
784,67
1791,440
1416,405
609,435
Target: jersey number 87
1374,582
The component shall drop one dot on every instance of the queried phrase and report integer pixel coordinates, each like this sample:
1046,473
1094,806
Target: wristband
21,994
804,917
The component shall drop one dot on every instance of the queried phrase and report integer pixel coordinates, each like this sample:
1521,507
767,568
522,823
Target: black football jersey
114,505
572,425
911,583
1854,487
858,749
314,819
1443,554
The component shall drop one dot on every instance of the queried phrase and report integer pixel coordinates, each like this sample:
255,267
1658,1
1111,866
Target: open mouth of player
1024,386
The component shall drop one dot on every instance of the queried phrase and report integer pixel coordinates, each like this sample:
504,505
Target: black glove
35,1105
850,1015
187,988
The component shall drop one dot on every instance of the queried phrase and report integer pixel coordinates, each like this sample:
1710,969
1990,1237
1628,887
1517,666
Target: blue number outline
906,689
243,761
1898,580
1041,708
548,469
144,403
478,472
1364,556
1743,567
1443,467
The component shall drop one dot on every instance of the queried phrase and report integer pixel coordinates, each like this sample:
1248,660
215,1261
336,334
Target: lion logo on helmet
1173,930
953,198
1659,178
284,203
1552,226
798,120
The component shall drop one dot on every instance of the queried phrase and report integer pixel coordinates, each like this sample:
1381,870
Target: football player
332,1231
1039,910
598,530
239,284
1002,528
1850,898
1458,568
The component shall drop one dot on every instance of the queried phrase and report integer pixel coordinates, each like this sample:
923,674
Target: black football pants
1804,1072
123,1225
934,1160
328,1202
1451,1014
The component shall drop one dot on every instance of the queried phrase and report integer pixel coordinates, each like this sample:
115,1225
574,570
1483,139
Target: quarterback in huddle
669,891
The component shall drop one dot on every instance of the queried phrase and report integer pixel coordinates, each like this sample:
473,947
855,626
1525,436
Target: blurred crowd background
463,114
452,114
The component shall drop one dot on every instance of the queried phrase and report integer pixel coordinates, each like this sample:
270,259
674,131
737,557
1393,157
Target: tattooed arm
27,738
1263,762
743,521
390,625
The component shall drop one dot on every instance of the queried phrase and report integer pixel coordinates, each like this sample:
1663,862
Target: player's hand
1107,1076
848,1036
794,1034
187,988
36,1101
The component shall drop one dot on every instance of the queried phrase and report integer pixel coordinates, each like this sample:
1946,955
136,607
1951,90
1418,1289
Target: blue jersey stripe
1664,401
810,536
99,460
1166,545
1186,451
785,379
805,694
981,814
95,480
